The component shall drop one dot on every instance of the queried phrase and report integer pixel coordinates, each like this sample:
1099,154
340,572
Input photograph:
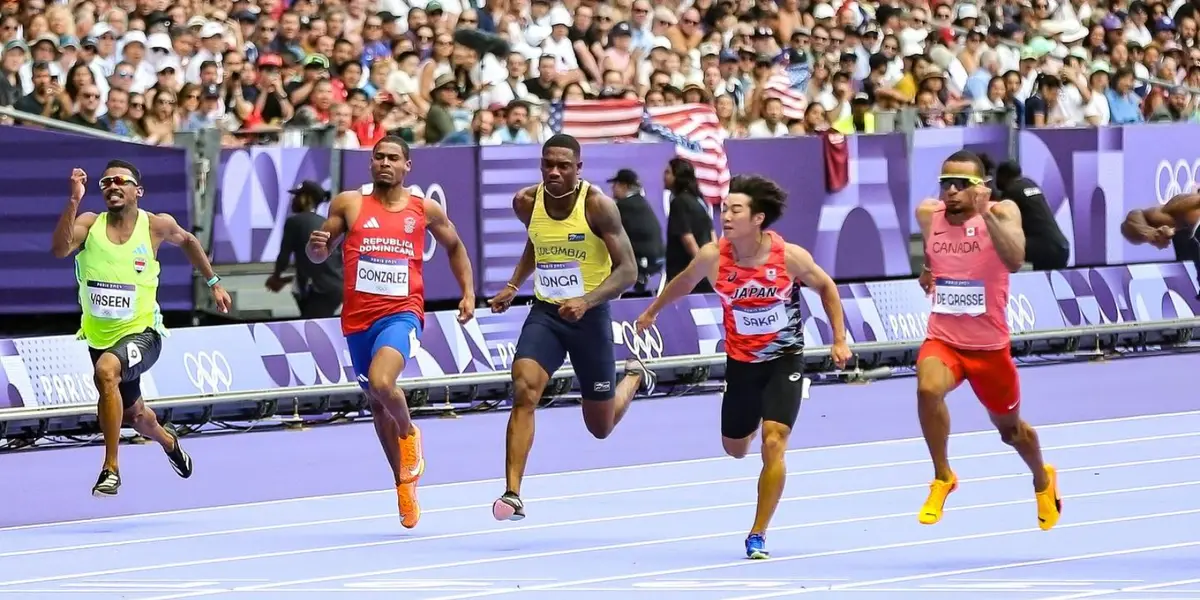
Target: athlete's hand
644,322
275,283
502,300
840,353
572,310
221,298
926,281
466,309
318,244
78,184
981,196
1161,237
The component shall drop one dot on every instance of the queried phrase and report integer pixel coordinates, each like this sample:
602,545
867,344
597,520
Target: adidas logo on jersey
371,223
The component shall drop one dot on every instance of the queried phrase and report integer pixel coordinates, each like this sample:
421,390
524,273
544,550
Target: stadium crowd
488,72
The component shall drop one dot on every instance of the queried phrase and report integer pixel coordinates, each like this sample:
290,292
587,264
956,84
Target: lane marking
846,586
392,515
583,472
989,568
1137,588
644,543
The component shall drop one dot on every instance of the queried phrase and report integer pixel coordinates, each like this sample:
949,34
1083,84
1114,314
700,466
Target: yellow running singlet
118,284
571,260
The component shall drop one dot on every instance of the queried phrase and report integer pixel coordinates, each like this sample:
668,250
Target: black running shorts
548,339
763,391
137,353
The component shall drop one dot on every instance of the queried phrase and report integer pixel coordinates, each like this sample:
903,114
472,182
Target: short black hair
562,140
117,163
969,157
393,139
766,197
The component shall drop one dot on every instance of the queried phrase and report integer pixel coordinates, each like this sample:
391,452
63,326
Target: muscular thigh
746,386
137,353
939,368
590,347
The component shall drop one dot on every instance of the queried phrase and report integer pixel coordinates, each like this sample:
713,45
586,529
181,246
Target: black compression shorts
137,353
548,339
762,391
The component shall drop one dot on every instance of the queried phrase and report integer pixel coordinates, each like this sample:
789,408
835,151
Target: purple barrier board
931,147
1093,177
504,170
260,357
449,176
35,184
253,202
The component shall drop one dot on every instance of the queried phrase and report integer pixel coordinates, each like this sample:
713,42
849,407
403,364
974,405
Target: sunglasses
959,182
117,180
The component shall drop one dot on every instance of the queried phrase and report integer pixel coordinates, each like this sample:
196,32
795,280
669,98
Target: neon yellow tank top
570,259
118,284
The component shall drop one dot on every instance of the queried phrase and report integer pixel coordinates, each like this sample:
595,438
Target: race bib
762,320
559,281
111,300
959,297
382,276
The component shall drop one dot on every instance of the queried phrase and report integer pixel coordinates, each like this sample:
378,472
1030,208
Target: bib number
559,281
760,321
114,301
959,297
382,276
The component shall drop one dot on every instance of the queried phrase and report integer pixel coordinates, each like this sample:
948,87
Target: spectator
689,223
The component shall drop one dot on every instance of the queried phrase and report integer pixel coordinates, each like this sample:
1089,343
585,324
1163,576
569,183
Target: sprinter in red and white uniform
971,246
384,299
758,274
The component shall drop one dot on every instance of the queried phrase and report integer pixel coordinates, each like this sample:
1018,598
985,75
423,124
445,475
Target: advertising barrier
34,186
266,357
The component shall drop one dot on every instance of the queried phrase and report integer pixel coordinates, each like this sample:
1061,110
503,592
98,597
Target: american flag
692,128
788,85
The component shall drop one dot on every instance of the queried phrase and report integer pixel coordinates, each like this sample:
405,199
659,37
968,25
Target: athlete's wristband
214,281
514,288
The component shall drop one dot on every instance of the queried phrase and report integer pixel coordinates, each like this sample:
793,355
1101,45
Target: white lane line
584,472
392,515
644,543
1125,590
987,569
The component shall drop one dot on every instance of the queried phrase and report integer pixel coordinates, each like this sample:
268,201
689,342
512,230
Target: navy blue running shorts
548,339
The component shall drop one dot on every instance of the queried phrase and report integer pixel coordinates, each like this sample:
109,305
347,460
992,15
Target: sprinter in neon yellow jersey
117,268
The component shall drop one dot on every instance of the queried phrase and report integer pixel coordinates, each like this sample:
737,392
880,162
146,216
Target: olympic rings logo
1020,313
1172,180
209,373
646,346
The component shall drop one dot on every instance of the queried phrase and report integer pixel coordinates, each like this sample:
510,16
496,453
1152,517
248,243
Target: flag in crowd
693,128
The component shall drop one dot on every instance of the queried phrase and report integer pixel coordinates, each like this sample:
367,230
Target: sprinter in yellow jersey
117,268
580,258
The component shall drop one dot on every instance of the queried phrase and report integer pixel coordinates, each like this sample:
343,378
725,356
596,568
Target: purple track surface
654,508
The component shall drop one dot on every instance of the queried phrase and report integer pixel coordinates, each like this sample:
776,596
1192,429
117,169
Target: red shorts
991,373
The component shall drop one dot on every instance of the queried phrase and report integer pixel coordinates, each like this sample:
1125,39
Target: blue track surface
847,529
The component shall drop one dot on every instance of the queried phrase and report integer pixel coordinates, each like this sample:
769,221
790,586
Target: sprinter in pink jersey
971,246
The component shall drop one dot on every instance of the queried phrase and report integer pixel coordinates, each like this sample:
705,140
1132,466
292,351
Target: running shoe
412,456
508,507
756,547
649,379
410,508
931,512
1049,503
180,461
107,484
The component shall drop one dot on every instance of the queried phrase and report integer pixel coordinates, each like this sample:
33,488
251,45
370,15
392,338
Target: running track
652,509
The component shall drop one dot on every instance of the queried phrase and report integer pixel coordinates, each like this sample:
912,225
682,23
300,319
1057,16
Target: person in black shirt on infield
689,222
642,226
318,286
1046,247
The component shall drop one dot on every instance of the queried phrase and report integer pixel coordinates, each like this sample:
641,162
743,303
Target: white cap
169,63
661,42
1074,35
196,21
133,37
100,29
211,29
968,11
160,41
822,11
